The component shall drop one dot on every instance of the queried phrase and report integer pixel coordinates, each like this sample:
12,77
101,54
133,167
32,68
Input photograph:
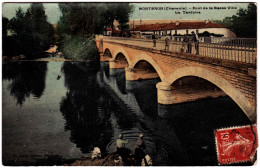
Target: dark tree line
81,21
29,32
27,78
80,107
244,23
87,19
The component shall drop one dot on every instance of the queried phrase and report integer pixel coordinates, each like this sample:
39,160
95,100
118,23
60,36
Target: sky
51,10
199,11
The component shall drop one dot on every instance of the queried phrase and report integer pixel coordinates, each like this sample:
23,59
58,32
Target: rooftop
178,25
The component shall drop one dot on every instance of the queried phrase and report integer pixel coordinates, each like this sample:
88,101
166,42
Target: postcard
129,84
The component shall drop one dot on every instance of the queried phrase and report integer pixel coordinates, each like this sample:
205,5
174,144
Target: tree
122,15
4,26
243,24
227,21
31,31
81,21
86,19
110,14
5,23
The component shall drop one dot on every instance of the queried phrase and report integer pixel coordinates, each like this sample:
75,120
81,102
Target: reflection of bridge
127,100
232,69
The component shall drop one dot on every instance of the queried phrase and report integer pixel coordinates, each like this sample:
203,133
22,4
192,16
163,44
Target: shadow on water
26,78
99,104
146,95
195,122
85,108
180,134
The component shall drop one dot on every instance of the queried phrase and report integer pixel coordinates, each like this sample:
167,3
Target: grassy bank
78,48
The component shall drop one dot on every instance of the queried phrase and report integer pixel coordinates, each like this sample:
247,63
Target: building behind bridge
182,28
177,27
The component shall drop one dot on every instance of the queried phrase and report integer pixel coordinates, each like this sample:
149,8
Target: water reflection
195,123
85,108
26,78
35,130
138,110
95,104
181,134
145,93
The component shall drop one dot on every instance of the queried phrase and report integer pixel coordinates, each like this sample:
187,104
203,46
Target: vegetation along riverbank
30,34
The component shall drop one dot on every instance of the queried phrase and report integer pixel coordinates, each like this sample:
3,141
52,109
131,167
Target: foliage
4,26
208,34
78,48
81,21
86,19
122,15
243,24
227,21
5,22
31,31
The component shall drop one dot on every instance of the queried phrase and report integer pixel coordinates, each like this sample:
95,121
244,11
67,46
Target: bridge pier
132,74
165,93
129,74
104,58
115,64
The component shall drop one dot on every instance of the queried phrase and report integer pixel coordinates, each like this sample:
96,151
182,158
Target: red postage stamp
237,144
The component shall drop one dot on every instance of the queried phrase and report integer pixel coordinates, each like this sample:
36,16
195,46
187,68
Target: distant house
108,32
182,28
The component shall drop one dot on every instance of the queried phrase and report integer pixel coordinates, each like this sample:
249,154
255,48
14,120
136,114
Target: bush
31,33
78,48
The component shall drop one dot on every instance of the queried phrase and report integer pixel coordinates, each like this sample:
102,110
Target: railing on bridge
234,49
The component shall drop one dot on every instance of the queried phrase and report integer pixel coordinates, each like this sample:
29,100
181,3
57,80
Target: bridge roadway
243,51
234,76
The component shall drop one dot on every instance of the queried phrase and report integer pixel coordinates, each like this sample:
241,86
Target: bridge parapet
239,52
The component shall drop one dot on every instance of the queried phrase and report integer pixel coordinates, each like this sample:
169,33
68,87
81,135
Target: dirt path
51,59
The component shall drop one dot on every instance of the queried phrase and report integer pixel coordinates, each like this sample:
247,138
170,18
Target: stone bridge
235,77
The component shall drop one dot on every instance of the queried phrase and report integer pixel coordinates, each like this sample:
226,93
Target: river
59,111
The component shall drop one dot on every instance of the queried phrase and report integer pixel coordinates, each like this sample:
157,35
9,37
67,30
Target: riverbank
46,59
52,59
13,58
109,160
46,56
78,48
23,58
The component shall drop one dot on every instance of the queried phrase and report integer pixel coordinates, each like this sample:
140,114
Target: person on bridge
195,39
139,150
185,46
154,40
167,41
120,145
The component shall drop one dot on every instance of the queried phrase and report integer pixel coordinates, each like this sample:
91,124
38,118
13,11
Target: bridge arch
121,50
220,82
147,58
107,53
